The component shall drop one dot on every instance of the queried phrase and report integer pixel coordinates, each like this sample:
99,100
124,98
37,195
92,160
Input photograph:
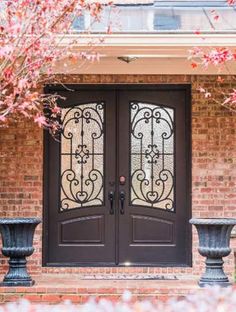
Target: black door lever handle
122,202
111,197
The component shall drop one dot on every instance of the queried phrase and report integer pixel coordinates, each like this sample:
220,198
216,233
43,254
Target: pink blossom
214,56
206,93
56,110
2,118
41,120
22,83
231,98
5,50
202,90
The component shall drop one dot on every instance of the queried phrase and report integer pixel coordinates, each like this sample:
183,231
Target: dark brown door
117,184
153,155
80,171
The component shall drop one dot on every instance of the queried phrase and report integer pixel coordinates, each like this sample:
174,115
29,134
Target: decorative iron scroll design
82,156
152,155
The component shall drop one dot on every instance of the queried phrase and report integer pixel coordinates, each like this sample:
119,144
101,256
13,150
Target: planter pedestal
214,237
17,243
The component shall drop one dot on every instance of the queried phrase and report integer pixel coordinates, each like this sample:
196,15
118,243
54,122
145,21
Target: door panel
82,230
159,231
152,155
116,186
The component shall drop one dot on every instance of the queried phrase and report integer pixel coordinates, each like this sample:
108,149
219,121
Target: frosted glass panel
82,156
152,155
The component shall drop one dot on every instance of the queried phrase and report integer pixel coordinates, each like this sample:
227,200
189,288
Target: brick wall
213,167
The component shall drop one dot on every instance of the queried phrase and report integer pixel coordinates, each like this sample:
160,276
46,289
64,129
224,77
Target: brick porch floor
54,288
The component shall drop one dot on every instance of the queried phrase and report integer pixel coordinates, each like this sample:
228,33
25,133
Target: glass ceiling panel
145,16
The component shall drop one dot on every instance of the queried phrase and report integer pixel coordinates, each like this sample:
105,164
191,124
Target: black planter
214,237
17,243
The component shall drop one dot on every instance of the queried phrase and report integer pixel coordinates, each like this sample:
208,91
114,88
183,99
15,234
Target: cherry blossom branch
29,48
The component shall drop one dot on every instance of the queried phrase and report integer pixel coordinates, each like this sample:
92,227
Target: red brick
213,166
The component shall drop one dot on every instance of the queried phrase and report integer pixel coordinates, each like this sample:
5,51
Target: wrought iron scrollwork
152,155
82,156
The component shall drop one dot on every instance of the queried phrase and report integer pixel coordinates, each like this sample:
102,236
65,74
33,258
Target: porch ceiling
167,45
155,54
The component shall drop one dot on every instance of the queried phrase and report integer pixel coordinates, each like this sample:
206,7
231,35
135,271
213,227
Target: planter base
17,274
17,283
214,274
213,283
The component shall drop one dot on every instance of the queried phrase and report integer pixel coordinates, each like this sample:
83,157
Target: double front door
117,181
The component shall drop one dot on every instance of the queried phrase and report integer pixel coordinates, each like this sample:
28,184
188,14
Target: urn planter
214,237
17,244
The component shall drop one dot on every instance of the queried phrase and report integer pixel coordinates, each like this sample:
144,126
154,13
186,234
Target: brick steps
51,289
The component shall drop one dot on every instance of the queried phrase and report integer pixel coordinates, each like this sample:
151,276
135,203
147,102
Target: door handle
122,202
111,198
